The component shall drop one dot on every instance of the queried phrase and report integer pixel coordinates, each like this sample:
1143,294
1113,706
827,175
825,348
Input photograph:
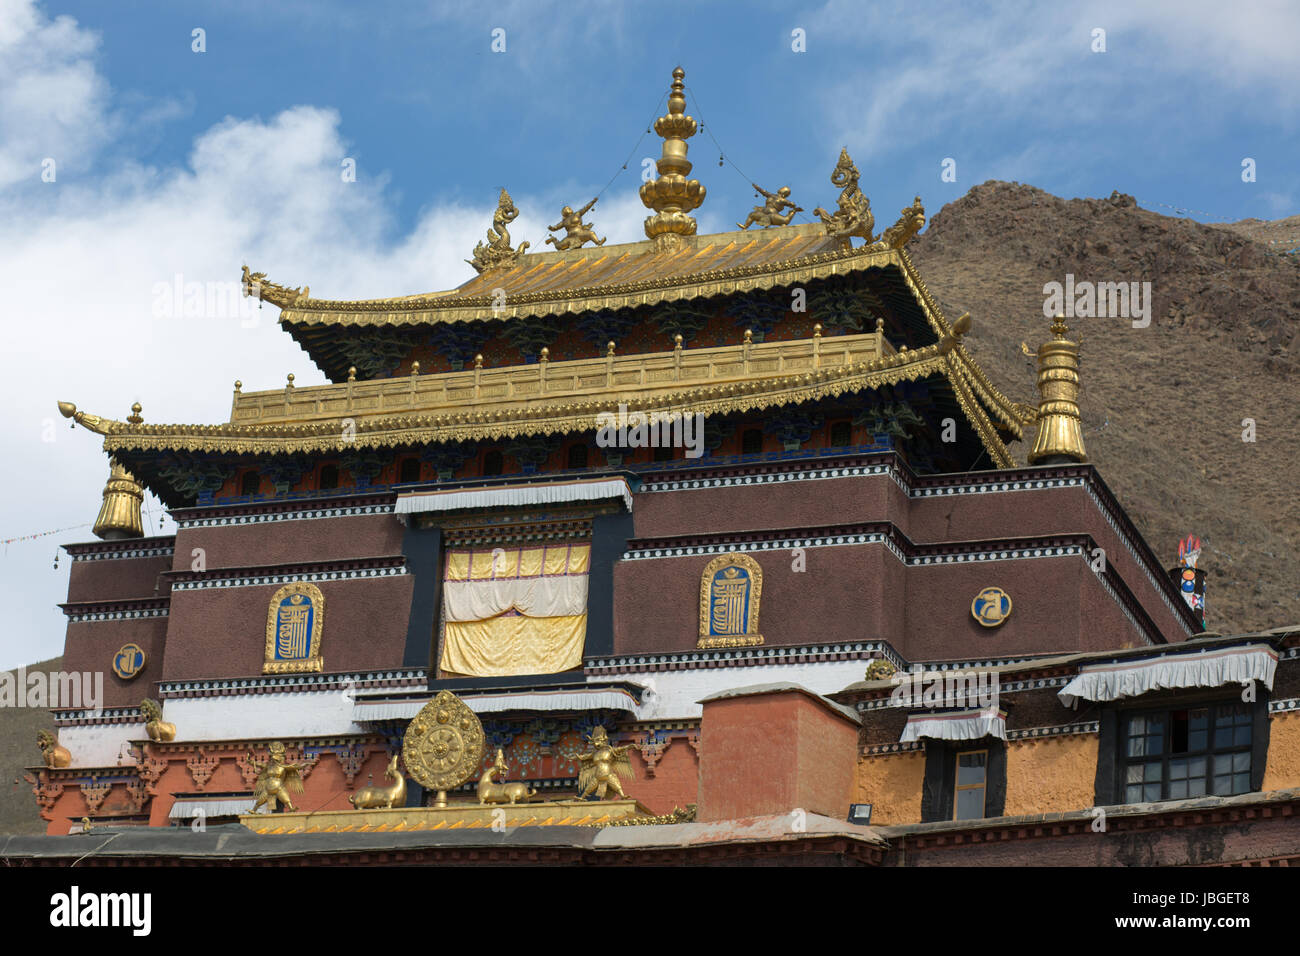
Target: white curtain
1206,668
956,725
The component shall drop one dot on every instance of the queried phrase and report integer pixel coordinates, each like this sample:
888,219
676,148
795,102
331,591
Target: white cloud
80,260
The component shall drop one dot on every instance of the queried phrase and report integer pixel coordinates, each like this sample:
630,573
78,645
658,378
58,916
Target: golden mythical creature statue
770,213
275,779
159,730
492,792
56,756
370,798
880,669
854,216
576,232
909,224
256,284
602,766
497,251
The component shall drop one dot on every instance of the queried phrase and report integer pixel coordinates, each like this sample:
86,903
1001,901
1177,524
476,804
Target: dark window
329,477
249,483
577,456
972,781
964,780
493,464
409,470
751,441
663,453
1176,754
841,434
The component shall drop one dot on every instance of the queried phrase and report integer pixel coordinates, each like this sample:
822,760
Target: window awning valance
228,807
547,493
567,700
1207,668
956,725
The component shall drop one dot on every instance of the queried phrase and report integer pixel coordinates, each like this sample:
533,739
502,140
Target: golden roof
604,277
559,397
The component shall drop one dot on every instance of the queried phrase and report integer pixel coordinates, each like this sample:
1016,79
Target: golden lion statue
159,730
56,757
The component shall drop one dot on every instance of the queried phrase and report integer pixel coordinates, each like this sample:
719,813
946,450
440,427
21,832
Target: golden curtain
516,610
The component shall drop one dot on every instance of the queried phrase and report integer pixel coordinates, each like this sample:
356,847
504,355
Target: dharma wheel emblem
443,746
991,607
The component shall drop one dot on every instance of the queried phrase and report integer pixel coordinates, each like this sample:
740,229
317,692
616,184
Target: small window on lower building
329,477
577,456
1177,754
971,786
249,483
493,464
409,470
841,434
751,441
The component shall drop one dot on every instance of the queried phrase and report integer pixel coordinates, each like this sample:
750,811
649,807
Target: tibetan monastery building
688,490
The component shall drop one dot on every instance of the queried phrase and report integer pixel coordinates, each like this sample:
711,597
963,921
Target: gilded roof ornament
496,252
672,196
909,224
1060,427
119,515
255,285
854,216
576,232
771,212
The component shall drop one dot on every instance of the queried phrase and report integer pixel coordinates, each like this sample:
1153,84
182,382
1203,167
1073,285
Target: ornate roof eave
560,417
449,307
1011,416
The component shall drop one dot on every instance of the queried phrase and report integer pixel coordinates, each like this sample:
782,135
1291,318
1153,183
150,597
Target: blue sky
171,162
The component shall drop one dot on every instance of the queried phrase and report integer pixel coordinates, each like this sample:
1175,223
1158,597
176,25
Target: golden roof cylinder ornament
119,515
672,196
1060,428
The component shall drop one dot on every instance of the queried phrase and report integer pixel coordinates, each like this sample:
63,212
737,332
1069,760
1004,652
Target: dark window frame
256,478
939,791
487,471
402,468
1110,784
744,439
321,482
831,428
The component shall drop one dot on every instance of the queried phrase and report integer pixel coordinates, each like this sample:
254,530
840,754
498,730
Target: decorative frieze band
195,581
185,522
278,683
1027,733
117,614
124,554
743,657
1282,705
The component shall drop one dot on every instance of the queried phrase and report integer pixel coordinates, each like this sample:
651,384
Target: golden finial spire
1060,429
119,515
672,196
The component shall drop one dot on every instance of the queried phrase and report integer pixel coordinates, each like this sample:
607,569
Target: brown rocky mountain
1162,406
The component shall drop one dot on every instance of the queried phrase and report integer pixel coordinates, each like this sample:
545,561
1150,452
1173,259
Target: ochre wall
891,783
1282,770
1051,774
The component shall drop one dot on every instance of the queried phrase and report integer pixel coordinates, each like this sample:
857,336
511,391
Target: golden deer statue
491,792
371,798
